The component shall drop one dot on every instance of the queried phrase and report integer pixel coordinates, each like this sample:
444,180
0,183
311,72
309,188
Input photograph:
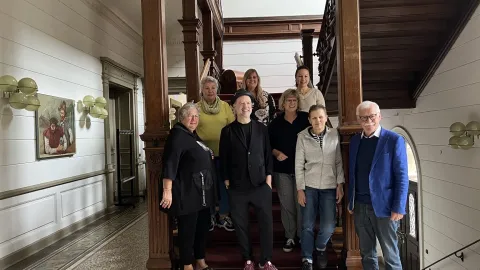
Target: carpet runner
223,251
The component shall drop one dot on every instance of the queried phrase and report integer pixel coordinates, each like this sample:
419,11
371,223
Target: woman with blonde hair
308,96
283,132
215,114
264,105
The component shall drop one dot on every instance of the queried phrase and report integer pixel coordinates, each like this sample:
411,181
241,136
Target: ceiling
130,11
401,41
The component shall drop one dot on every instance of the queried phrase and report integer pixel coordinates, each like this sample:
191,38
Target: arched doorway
410,231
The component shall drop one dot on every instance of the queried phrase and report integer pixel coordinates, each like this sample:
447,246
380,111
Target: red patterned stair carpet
224,253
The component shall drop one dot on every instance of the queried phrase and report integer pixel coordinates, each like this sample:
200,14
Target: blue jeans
224,206
323,203
370,227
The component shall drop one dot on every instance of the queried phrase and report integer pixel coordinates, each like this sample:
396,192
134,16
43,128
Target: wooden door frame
409,139
115,73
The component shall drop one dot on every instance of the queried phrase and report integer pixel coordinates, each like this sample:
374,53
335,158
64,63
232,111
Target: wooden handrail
205,70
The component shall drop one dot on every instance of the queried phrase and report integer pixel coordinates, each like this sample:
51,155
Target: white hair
183,112
367,105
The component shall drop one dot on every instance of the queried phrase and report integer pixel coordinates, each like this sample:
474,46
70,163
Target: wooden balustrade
326,47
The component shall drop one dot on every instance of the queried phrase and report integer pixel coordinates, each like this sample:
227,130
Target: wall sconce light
464,135
21,94
171,114
94,106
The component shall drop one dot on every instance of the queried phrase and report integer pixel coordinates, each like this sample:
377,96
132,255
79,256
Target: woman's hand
339,193
167,198
302,200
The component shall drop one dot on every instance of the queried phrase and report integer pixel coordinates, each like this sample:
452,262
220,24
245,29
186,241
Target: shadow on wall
6,116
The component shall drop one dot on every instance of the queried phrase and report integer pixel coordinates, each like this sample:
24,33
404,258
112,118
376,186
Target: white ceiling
131,12
267,8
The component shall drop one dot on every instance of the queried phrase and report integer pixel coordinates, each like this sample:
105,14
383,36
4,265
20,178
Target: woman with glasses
283,132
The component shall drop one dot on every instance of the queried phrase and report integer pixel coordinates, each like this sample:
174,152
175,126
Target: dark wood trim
156,129
349,70
307,50
349,63
219,51
214,6
284,27
191,27
467,12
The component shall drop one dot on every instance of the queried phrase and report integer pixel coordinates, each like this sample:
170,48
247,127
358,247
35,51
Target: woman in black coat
188,187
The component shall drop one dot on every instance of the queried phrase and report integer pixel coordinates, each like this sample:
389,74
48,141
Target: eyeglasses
366,117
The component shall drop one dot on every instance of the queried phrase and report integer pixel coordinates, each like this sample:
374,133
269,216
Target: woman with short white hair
188,187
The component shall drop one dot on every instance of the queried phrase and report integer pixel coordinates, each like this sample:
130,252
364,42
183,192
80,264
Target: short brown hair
315,108
288,93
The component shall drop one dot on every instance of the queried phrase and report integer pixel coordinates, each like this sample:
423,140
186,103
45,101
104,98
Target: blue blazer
388,175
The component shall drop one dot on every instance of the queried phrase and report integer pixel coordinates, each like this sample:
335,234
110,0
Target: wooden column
208,52
350,95
219,50
307,50
191,25
156,127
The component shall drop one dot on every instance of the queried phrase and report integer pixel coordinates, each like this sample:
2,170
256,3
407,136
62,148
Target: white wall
449,178
57,43
273,59
266,8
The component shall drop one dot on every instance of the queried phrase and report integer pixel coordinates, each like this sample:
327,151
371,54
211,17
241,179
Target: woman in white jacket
319,177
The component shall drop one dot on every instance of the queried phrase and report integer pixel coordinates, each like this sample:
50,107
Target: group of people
230,154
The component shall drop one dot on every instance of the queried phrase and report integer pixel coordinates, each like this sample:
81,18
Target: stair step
229,257
221,236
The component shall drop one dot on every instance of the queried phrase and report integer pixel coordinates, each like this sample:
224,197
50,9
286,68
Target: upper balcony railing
326,47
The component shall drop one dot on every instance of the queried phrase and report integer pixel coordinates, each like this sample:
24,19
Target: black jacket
188,162
239,162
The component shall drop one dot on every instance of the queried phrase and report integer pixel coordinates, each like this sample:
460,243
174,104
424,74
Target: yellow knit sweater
210,125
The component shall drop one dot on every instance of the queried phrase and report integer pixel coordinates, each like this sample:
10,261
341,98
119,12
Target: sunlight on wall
412,165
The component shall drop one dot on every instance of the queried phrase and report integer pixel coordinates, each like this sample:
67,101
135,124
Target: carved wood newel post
156,127
191,25
349,70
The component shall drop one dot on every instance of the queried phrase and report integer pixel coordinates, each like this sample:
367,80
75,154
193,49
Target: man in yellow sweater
214,115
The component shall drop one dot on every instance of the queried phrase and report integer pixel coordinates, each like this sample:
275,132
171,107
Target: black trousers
192,235
261,199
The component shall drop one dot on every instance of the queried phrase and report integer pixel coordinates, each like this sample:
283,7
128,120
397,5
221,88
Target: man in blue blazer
378,187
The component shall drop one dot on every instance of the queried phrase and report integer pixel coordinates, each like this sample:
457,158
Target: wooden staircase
402,43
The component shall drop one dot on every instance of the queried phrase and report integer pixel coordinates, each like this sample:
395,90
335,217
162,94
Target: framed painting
55,127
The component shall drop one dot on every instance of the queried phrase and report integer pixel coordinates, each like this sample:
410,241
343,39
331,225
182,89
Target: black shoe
322,259
306,265
289,245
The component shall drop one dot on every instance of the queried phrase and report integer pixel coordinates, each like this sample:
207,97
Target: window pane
411,210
